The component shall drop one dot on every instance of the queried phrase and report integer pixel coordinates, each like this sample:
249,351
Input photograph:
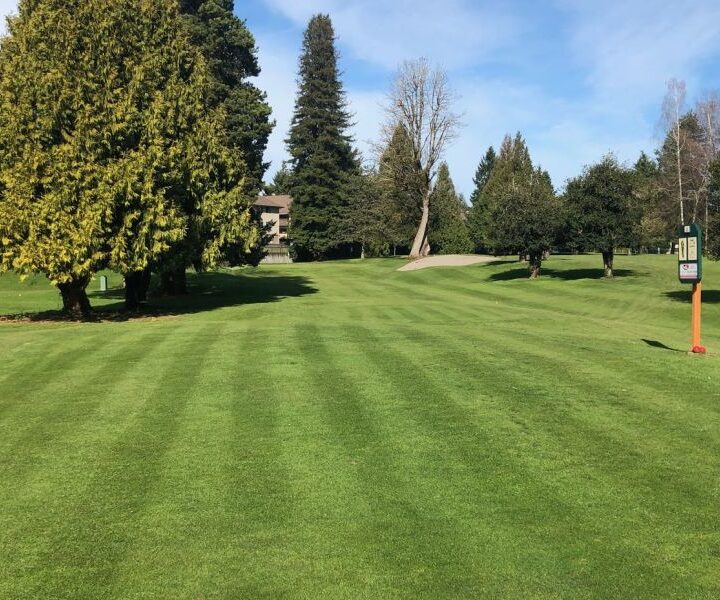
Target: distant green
345,430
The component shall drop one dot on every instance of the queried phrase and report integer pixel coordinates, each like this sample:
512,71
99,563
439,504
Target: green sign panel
690,254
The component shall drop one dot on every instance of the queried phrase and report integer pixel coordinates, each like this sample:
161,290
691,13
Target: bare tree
672,112
421,102
708,115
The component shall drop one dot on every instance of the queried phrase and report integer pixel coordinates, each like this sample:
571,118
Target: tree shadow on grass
564,274
708,296
206,292
500,261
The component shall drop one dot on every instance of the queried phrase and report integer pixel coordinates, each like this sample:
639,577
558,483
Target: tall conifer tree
322,159
652,232
482,174
400,189
478,213
448,217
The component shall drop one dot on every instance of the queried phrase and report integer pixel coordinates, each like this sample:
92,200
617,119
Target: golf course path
450,260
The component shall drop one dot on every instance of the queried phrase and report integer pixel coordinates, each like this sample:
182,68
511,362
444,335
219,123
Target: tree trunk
362,251
535,264
145,279
421,246
74,297
608,256
174,282
137,285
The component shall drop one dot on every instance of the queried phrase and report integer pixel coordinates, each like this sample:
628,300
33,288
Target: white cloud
632,48
455,33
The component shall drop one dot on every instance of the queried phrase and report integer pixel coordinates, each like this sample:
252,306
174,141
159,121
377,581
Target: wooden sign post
690,271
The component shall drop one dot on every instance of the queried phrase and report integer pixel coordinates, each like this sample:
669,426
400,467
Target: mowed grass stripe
626,406
87,534
322,547
222,484
58,423
469,455
42,362
438,498
641,451
261,523
405,539
441,413
539,508
570,354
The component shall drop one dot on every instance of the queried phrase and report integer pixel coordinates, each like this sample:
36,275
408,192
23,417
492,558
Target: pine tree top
483,173
321,119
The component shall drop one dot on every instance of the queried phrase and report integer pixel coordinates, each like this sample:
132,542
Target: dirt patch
450,260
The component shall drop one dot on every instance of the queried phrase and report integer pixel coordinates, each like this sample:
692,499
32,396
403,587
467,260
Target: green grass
344,430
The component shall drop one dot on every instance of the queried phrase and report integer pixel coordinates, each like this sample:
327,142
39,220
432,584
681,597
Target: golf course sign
690,254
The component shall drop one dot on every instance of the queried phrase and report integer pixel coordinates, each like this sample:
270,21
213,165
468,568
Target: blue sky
578,78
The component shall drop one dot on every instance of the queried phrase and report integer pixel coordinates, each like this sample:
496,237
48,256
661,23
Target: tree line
132,138
403,199
609,205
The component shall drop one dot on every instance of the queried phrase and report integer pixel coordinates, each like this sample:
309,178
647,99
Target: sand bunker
450,260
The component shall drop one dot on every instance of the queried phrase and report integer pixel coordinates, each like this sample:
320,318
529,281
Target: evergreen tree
645,166
522,209
400,190
366,220
448,217
230,53
322,159
482,174
602,208
104,141
652,231
712,232
477,214
229,49
512,167
280,185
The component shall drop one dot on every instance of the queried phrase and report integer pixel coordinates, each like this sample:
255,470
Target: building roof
274,201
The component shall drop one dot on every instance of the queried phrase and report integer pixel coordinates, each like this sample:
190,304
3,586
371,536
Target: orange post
697,346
